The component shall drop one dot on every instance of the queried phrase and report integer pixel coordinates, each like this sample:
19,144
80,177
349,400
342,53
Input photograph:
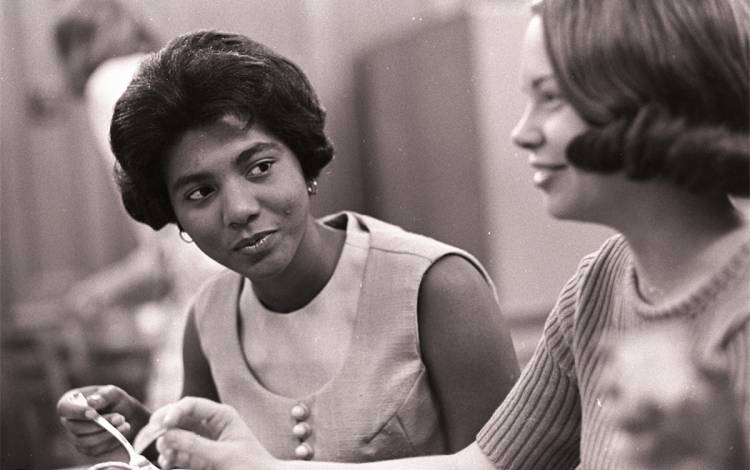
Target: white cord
113,464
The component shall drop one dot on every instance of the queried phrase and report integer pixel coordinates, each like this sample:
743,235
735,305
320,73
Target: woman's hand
201,434
126,413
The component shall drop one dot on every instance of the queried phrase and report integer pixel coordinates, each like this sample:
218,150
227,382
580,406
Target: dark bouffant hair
195,80
663,85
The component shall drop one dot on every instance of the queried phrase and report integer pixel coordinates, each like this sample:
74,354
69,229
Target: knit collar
695,302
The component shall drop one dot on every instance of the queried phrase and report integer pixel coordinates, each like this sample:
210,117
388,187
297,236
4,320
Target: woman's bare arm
466,346
198,381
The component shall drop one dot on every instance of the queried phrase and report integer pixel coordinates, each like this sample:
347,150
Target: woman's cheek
297,203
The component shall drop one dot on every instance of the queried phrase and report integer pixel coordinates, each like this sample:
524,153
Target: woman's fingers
98,397
184,449
67,407
77,427
92,438
93,443
77,417
100,449
85,426
108,397
205,417
201,434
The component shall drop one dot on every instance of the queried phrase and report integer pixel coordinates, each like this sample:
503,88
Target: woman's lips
545,172
254,243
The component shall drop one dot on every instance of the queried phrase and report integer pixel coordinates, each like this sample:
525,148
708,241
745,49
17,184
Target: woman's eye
549,97
260,169
198,194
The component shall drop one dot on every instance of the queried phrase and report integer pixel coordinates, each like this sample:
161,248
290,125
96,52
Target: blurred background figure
101,44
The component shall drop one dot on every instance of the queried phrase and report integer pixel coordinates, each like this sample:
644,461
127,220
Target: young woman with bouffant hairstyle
328,335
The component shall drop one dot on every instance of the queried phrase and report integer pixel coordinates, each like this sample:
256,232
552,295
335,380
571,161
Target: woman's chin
556,209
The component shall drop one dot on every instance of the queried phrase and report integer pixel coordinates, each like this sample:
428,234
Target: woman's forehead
535,64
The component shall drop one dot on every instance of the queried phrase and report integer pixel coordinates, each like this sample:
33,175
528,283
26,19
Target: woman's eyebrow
253,150
535,83
539,81
242,158
187,179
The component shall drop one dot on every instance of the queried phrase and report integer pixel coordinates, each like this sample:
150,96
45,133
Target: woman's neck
308,273
679,239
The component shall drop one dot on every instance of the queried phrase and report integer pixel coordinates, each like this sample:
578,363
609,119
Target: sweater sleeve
538,425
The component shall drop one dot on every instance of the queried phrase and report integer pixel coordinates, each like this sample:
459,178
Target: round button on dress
302,430
300,412
304,451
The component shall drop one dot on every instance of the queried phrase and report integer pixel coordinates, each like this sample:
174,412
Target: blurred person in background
100,44
637,118
342,338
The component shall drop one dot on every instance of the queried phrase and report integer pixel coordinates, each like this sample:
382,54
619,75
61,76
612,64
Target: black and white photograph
376,234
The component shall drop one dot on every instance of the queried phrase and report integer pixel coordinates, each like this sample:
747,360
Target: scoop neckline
352,350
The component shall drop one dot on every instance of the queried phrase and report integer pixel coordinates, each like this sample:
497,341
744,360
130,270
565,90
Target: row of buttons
302,430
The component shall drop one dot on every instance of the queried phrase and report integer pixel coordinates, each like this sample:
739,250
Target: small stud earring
185,237
312,187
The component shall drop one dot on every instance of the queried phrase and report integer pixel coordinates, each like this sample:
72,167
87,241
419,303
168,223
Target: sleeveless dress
379,405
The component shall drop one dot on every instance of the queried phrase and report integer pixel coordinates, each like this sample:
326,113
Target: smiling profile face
548,125
241,195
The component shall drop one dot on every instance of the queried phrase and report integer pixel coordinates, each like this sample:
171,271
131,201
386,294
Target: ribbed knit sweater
554,418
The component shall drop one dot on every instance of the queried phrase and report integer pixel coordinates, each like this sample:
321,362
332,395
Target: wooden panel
421,151
15,245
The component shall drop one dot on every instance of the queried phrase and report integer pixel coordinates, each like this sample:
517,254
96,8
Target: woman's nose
240,204
526,134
